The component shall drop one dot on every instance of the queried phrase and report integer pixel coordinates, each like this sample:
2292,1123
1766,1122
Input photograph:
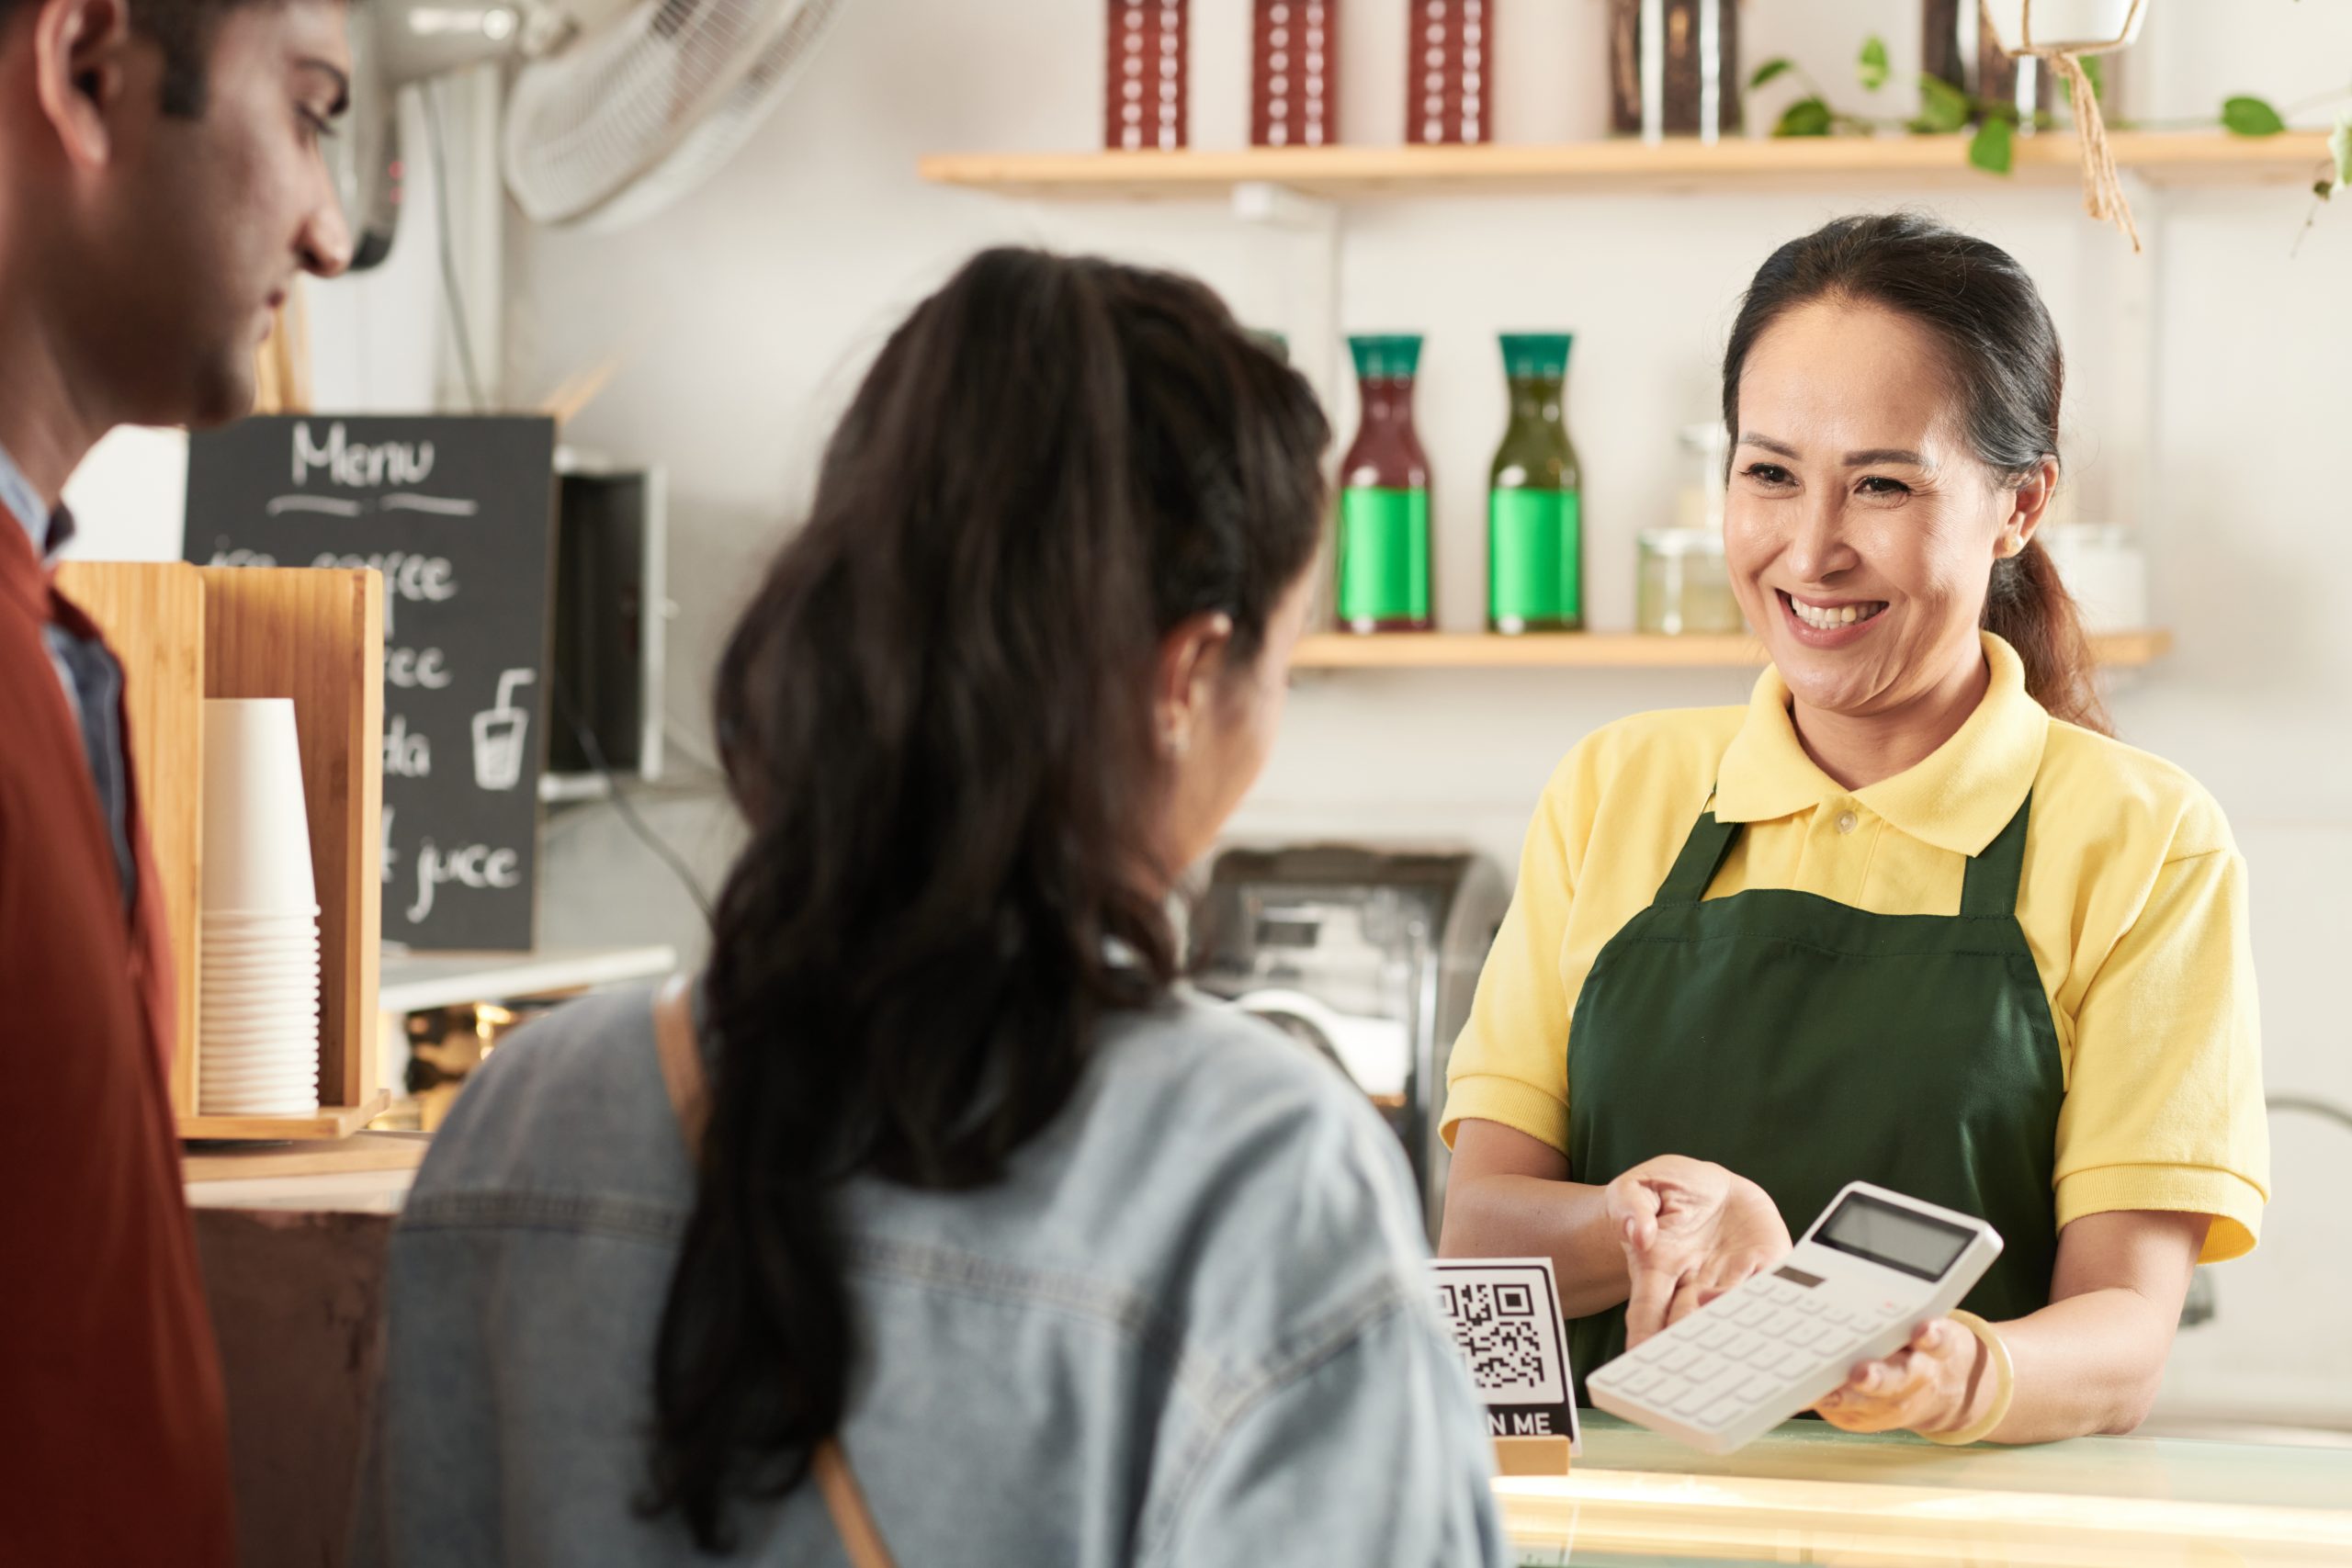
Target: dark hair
935,717
184,31
2001,346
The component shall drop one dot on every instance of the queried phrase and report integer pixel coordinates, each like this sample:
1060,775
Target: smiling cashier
1910,917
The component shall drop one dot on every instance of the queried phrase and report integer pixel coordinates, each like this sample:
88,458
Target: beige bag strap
683,1077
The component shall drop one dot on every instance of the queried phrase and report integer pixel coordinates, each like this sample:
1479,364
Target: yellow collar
1957,799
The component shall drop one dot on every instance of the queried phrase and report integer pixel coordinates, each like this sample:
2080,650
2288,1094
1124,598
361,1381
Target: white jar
2106,572
1685,586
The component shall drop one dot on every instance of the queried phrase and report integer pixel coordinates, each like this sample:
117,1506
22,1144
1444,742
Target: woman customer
991,1238
1910,917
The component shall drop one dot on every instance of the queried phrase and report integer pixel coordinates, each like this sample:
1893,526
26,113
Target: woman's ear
2029,503
1192,656
82,58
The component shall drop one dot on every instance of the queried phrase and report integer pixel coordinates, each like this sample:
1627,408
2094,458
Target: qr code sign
1503,1320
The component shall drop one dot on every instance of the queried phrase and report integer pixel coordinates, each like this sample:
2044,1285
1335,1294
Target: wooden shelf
1632,167
328,1157
1620,651
327,1121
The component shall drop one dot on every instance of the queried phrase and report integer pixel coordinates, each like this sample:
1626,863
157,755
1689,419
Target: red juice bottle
1384,533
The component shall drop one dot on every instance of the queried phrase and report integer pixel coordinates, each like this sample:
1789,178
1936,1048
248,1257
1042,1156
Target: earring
1175,740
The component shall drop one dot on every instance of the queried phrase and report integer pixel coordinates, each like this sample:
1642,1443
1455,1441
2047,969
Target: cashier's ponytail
936,719
2003,349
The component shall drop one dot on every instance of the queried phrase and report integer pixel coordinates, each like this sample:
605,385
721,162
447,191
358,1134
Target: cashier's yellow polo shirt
2134,905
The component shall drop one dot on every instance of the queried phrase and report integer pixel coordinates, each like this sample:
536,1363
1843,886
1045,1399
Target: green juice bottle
1534,515
1384,533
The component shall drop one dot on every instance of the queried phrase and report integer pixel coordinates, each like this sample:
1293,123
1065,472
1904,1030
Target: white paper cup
287,1039
241,920
244,1011
292,956
282,961
283,1058
264,944
280,1067
230,1053
290,1016
256,831
260,988
243,995
232,940
240,1078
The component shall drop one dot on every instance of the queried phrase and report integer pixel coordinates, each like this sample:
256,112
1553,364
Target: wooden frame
186,634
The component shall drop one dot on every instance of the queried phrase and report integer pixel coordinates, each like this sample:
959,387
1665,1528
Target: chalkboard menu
459,515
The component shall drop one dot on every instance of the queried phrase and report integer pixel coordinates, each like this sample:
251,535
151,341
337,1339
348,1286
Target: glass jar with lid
1685,585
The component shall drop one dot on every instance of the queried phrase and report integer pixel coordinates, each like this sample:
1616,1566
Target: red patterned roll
1450,71
1145,86
1294,73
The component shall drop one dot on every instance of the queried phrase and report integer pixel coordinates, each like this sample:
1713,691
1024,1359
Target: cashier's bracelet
2004,1385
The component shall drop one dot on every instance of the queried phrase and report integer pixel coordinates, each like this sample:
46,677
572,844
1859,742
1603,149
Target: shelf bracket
1304,275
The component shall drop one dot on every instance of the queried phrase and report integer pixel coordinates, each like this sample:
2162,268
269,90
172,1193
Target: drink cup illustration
499,733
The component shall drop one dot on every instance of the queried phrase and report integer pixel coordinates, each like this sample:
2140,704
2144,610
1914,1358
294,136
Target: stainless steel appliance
1369,955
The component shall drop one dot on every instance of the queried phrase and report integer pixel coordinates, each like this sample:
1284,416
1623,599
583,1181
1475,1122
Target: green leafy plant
1945,109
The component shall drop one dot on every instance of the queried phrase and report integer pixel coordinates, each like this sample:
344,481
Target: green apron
1803,1044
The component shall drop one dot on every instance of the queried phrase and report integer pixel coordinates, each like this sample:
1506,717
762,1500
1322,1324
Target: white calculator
1874,1268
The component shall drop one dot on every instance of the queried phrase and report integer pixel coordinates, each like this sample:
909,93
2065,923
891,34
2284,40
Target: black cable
2311,1106
455,295
626,808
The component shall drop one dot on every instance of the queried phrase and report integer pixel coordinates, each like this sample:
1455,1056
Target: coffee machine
1368,955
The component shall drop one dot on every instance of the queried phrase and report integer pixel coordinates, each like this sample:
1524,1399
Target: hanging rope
2103,196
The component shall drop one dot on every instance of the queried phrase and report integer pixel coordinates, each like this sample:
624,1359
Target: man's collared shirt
92,680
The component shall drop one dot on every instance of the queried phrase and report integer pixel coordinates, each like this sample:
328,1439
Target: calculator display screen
1911,1243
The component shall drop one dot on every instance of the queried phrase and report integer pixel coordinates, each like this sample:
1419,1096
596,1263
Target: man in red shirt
161,185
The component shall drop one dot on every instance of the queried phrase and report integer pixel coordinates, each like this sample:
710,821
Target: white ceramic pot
2073,26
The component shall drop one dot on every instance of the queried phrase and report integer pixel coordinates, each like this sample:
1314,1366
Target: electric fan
617,107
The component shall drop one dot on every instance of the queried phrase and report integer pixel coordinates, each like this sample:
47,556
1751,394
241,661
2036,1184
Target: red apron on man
117,1435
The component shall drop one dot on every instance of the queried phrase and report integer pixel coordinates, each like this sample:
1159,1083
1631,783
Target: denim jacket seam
1322,1340
505,1208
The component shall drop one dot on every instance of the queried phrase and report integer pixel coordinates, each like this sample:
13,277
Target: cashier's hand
1930,1385
1691,1231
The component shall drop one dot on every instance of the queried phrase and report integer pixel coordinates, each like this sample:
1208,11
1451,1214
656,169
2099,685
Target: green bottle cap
1386,356
1536,356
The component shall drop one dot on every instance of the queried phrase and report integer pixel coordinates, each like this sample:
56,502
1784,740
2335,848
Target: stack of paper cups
258,1032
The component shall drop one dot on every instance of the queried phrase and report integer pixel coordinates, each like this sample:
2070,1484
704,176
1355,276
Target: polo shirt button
1845,821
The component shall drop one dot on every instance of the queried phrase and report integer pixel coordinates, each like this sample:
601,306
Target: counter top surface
1809,1493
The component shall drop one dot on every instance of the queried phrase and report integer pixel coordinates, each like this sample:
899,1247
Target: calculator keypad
1749,1348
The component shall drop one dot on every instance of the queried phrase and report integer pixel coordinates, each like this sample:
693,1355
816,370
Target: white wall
744,317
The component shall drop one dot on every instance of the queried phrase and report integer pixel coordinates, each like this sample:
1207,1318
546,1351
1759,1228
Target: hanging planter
2068,27
2062,31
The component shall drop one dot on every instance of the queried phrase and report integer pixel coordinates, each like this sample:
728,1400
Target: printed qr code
1501,1333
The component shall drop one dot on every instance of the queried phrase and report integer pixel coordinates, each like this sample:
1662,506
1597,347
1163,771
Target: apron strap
1990,888
688,1087
1702,856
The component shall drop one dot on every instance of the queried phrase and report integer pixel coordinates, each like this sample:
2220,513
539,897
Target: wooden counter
292,1242
1808,1494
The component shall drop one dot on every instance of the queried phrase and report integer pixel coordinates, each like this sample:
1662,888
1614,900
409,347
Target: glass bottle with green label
1383,543
1534,515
